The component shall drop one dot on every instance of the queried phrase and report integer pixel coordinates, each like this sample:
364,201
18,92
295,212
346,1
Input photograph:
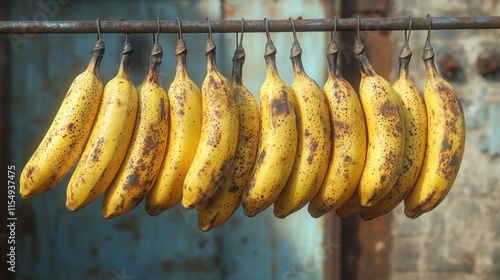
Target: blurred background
458,240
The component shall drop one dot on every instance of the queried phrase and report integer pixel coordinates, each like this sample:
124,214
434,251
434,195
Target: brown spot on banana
214,140
233,188
445,145
31,169
280,105
421,207
132,181
97,152
213,84
163,111
262,155
388,109
313,146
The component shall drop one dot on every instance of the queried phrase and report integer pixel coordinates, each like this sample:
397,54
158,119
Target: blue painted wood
57,244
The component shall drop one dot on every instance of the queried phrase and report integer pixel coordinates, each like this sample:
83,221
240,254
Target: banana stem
210,55
155,60
96,57
364,64
404,60
360,54
181,67
332,57
126,56
430,67
238,60
271,63
296,57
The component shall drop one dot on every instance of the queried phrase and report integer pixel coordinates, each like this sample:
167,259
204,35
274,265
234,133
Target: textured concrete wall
460,238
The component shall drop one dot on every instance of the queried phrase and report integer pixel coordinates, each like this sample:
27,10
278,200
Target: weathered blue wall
54,243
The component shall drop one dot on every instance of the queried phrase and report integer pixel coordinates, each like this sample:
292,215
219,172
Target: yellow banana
185,126
350,207
227,198
109,139
147,146
314,141
65,139
386,132
415,116
278,140
445,141
219,135
349,141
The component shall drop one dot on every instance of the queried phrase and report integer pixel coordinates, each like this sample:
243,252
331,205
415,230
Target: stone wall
460,239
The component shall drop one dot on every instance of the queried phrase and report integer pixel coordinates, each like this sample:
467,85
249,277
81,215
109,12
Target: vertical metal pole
365,245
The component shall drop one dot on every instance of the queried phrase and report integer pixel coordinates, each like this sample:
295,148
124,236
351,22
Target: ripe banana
65,139
219,135
349,141
445,141
314,141
227,198
415,116
350,207
109,139
184,98
147,146
278,140
386,132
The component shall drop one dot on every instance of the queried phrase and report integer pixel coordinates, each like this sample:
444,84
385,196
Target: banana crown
155,60
96,57
332,55
126,56
180,48
238,60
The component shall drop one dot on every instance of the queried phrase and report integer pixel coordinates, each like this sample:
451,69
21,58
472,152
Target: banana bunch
432,146
278,139
313,143
109,140
219,135
227,198
184,99
329,148
66,137
349,140
147,146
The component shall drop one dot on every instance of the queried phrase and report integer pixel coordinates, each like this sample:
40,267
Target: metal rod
227,26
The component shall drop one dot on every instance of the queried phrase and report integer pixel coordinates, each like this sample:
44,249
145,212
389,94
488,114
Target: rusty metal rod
227,26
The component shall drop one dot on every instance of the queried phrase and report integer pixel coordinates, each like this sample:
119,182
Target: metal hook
180,29
209,28
428,41
158,32
358,28
332,34
242,30
99,38
267,30
293,29
408,32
